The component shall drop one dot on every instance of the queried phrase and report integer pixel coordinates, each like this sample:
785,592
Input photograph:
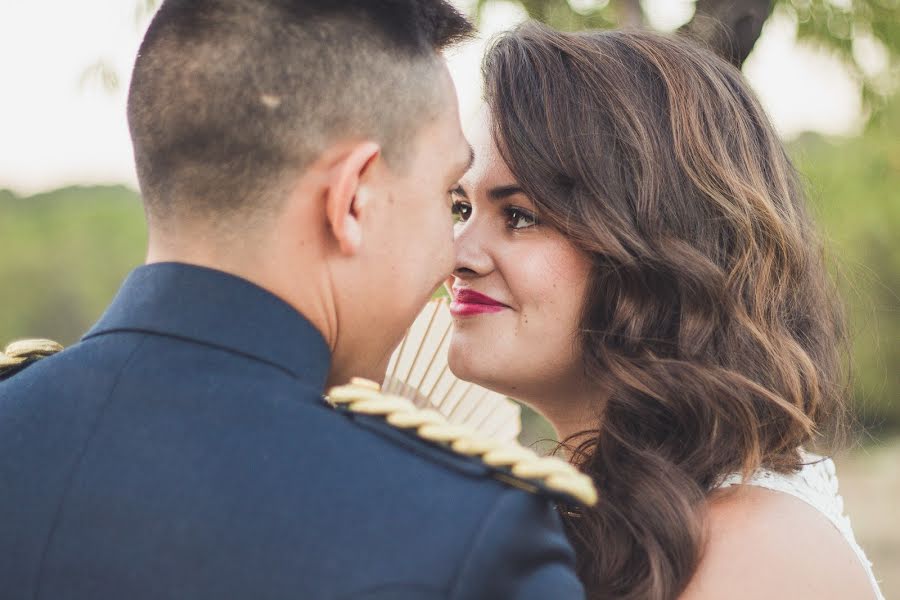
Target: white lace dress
817,485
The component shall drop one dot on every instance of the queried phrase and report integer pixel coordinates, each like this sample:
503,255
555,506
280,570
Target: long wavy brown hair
710,325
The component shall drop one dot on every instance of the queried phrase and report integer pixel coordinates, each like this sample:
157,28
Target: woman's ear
348,195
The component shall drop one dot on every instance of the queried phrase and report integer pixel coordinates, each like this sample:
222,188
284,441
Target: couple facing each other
658,293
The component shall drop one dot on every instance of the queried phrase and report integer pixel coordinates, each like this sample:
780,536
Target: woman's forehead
489,168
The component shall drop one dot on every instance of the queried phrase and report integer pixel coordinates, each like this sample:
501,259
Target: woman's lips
468,302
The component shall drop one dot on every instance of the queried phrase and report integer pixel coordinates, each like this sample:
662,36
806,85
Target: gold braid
17,353
509,461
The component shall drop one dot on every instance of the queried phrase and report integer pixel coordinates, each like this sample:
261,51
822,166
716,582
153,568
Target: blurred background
71,225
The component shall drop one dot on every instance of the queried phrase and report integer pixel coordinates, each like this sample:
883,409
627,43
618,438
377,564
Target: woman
635,261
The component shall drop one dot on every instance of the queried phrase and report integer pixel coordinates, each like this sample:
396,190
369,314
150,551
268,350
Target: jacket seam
481,532
77,465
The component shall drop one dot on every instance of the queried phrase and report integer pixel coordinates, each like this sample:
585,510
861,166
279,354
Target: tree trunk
629,12
729,28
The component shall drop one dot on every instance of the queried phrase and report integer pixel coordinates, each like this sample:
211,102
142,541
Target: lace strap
817,485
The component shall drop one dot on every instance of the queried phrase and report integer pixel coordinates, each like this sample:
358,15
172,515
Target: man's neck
305,292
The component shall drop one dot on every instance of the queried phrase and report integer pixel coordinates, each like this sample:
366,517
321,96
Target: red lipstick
469,302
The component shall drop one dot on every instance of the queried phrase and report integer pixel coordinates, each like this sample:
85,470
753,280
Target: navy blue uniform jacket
183,449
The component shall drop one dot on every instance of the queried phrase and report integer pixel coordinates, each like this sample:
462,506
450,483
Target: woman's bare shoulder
766,544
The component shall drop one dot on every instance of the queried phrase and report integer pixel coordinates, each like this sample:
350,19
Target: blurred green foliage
863,34
854,188
854,193
63,255
854,185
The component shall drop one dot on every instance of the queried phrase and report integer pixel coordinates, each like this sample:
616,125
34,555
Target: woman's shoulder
765,543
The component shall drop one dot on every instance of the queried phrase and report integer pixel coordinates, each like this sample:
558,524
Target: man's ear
347,195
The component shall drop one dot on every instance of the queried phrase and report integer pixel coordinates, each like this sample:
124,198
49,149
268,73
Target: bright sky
57,130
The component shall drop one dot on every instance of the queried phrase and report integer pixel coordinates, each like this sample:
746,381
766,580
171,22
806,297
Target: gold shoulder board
509,462
18,354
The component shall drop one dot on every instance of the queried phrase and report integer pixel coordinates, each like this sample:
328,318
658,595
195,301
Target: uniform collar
218,309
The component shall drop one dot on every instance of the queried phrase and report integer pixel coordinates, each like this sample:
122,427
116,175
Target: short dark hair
229,96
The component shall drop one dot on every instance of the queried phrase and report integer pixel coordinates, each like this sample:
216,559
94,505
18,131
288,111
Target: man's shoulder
428,434
368,425
18,355
230,462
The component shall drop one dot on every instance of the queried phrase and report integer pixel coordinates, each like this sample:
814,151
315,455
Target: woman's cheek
553,279
559,284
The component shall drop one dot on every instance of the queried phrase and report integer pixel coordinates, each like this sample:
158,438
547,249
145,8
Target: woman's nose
472,246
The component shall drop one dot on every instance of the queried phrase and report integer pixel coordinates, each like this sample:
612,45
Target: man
295,160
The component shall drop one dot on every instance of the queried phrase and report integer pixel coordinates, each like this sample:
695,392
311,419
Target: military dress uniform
184,449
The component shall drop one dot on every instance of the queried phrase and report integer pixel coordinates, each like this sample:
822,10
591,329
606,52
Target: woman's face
518,287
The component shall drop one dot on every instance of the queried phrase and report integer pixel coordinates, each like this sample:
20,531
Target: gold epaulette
508,461
18,354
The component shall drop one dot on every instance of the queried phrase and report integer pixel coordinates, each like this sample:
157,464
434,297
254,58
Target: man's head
308,145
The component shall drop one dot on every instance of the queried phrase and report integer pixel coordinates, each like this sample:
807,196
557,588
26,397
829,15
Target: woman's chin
477,365
469,361
459,360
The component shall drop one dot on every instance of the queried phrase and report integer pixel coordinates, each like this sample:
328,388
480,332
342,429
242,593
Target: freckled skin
529,350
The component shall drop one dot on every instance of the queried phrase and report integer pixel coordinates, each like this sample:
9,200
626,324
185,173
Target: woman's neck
572,410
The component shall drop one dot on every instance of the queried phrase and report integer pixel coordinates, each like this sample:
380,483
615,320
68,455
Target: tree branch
629,12
729,28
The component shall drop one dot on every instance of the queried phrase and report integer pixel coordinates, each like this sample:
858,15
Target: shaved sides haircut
231,99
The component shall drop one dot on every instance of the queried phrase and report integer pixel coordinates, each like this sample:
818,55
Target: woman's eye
518,218
461,211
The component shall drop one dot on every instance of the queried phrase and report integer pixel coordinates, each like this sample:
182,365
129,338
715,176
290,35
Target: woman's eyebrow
497,193
504,191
